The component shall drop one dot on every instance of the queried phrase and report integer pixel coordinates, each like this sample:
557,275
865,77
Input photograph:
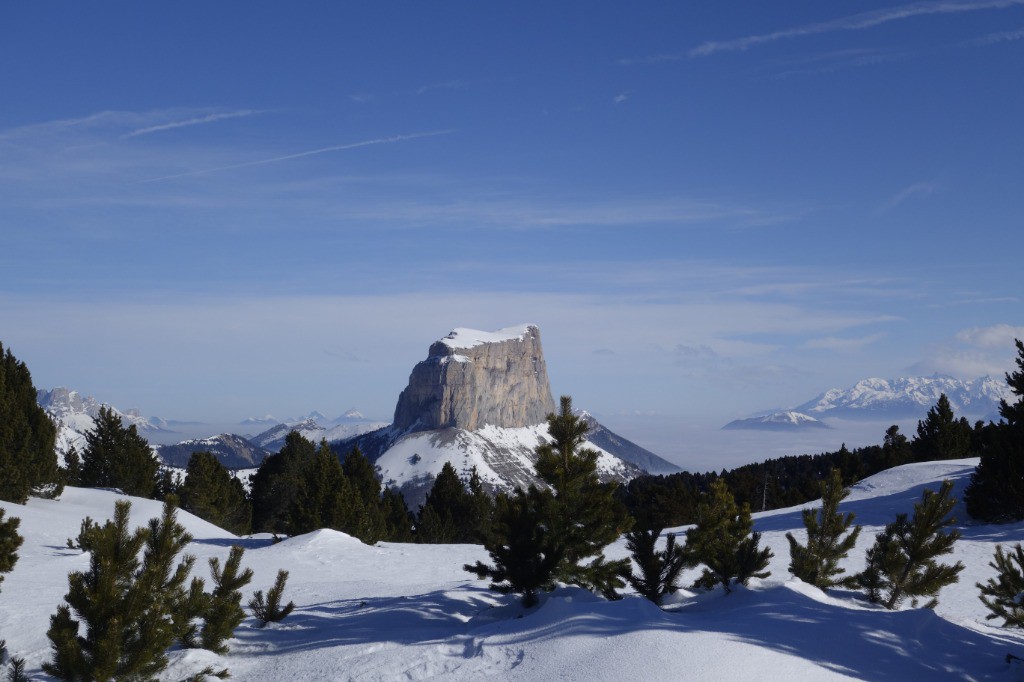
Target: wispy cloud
918,189
973,352
197,120
621,97
853,22
299,155
998,37
836,60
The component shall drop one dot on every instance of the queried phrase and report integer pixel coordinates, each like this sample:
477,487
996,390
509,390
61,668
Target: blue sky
214,210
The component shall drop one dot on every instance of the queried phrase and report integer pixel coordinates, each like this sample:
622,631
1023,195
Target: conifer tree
1003,595
269,610
277,483
72,467
659,570
895,448
480,508
524,553
817,562
28,458
10,541
722,541
586,516
941,435
327,498
211,493
127,607
996,491
397,517
222,612
902,562
444,514
118,457
363,478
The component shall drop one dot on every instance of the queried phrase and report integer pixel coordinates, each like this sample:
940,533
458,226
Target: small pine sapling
817,562
723,542
16,673
269,610
1004,594
659,571
223,611
902,561
10,541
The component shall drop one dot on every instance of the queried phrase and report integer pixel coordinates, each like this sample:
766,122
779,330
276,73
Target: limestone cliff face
472,378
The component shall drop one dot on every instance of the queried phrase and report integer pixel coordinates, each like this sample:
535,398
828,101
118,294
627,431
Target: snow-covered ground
397,611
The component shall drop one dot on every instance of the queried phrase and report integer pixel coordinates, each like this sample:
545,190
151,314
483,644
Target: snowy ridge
462,337
910,396
406,611
778,421
273,438
75,415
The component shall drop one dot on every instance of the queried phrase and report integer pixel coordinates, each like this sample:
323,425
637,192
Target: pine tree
1004,594
118,457
941,435
211,493
722,541
817,562
277,483
522,548
222,612
28,458
128,607
480,508
10,541
444,514
996,491
902,563
72,467
586,515
326,499
397,517
269,610
363,478
659,571
895,448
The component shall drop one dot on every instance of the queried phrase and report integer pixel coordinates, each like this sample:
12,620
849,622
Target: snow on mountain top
977,396
461,337
407,611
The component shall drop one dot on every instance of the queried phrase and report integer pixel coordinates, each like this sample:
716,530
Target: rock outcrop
472,379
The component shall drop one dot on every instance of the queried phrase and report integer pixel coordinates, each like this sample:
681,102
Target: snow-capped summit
75,415
909,397
778,421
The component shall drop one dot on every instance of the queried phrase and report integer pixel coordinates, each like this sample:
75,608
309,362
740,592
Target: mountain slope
778,421
232,450
405,611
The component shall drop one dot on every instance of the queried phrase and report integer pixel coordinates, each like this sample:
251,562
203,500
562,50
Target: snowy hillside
75,415
316,430
909,397
395,611
779,421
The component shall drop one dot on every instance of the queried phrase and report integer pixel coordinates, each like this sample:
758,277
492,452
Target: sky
211,211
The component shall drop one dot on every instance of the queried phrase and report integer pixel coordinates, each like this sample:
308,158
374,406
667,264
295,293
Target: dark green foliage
817,562
28,459
269,610
168,483
902,563
996,491
455,511
895,448
118,457
941,435
1004,594
72,467
222,611
586,515
723,543
16,673
523,550
659,570
362,476
326,499
277,483
10,541
397,517
211,493
128,607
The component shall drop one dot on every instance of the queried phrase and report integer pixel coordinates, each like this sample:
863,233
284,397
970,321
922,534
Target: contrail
322,150
211,118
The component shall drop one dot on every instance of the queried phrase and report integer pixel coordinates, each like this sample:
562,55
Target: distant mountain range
74,415
887,399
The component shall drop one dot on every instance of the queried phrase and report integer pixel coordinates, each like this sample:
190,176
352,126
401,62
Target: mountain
273,438
481,399
265,420
74,416
233,451
778,421
909,397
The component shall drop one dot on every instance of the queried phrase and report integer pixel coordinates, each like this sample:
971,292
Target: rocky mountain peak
473,378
